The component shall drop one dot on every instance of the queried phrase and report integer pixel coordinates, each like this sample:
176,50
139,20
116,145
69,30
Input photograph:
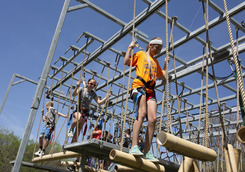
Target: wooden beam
122,168
186,165
240,135
184,147
134,162
56,156
37,166
232,158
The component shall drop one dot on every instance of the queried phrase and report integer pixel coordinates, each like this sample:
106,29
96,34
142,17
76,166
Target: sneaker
149,156
71,168
42,153
39,153
70,132
135,151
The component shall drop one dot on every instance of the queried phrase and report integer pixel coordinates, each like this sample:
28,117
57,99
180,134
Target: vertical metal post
40,88
7,93
83,161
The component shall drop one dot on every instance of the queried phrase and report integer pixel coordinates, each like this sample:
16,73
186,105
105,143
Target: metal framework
188,68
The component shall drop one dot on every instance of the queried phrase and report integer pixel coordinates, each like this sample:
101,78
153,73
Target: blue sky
27,28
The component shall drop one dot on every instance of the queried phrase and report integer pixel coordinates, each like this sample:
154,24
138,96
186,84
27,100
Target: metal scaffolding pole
39,90
7,93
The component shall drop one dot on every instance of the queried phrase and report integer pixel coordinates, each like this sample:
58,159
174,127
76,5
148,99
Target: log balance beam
232,158
56,156
122,168
240,135
184,147
134,162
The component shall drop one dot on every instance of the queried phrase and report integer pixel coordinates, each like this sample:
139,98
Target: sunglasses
92,84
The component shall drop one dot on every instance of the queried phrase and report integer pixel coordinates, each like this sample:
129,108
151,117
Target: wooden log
122,168
90,169
56,156
195,165
237,153
134,161
240,135
186,148
186,165
69,163
232,156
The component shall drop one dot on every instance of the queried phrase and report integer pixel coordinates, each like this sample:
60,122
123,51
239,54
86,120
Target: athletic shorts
47,132
150,96
85,113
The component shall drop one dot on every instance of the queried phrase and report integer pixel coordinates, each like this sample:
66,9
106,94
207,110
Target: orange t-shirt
142,69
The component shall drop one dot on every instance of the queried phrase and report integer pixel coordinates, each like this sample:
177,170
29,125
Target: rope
50,92
105,104
167,76
78,110
97,110
161,118
239,77
112,114
34,150
72,75
41,115
51,151
116,65
129,77
106,101
200,107
219,150
205,15
187,125
122,114
237,93
176,85
215,82
217,96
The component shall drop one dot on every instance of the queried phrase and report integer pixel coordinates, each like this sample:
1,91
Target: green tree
9,145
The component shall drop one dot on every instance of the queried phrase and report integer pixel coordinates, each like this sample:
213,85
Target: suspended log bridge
134,162
184,147
56,156
240,135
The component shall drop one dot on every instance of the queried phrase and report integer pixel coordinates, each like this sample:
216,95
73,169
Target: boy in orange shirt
143,94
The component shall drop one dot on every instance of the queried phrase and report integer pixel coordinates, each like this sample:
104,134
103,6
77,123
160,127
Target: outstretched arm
60,114
99,101
127,55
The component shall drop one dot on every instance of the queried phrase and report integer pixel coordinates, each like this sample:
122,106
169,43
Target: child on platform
143,94
49,127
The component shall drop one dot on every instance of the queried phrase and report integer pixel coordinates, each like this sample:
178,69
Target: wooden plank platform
37,166
94,147
101,149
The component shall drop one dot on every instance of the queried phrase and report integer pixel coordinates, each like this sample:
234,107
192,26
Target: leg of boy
152,119
137,126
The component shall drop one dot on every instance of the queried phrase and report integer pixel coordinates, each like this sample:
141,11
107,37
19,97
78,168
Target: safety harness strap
150,84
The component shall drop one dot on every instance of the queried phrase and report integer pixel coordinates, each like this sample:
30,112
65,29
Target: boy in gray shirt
49,127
